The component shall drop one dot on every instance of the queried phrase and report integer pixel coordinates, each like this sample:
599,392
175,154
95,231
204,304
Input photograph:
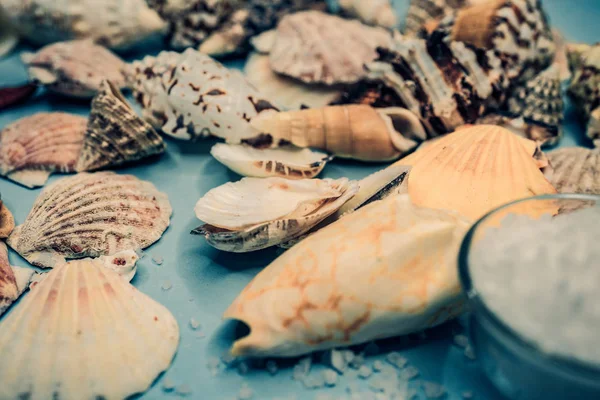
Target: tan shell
374,12
575,170
358,132
319,48
585,91
425,14
7,221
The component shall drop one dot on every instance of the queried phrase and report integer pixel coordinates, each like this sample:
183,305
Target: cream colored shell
374,12
575,170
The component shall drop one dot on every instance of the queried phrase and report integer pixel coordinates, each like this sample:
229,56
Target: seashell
561,56
358,132
122,262
190,95
423,14
575,170
575,54
287,92
319,48
74,68
585,91
446,175
105,326
7,221
112,23
284,162
264,42
89,215
10,96
387,269
254,214
378,12
34,147
9,37
13,280
115,134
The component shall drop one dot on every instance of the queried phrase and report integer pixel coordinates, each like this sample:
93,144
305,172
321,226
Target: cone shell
10,96
89,215
75,68
377,12
104,325
115,135
319,48
284,162
475,170
575,170
7,221
34,147
388,269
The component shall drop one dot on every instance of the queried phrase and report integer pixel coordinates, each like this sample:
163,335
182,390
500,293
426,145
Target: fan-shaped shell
75,68
80,334
89,215
254,214
115,134
35,146
374,12
285,162
575,170
10,96
7,221
319,48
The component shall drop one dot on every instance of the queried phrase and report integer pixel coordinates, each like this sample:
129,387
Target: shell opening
406,129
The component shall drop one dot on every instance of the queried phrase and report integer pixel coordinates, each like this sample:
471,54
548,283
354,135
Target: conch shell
355,131
374,12
387,269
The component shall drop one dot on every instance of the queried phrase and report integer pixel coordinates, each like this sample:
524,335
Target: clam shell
34,147
75,68
10,96
7,221
104,325
115,134
387,269
254,214
585,90
284,162
318,48
89,215
190,95
575,170
375,12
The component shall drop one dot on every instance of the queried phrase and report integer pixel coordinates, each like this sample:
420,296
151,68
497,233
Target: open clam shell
89,215
254,214
105,326
575,170
284,162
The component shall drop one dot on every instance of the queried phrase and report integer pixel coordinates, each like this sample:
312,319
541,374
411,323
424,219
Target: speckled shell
74,68
190,95
115,134
315,47
89,215
113,23
7,221
585,91
285,162
359,279
254,213
575,54
34,147
79,333
575,170
374,12
10,96
423,12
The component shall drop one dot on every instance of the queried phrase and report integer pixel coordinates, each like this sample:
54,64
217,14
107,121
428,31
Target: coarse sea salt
537,275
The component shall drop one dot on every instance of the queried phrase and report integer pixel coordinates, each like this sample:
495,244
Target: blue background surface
205,281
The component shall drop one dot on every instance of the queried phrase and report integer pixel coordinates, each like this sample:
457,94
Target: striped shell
83,332
575,170
89,215
374,12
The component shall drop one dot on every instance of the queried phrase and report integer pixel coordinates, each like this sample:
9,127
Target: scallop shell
115,134
7,221
113,23
284,162
585,91
34,147
80,334
74,68
89,215
190,95
377,12
318,48
10,96
254,214
575,170
387,269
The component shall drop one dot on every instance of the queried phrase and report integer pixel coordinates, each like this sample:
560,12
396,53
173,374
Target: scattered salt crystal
357,362
168,385
330,377
183,390
245,392
371,349
467,394
352,387
461,341
365,372
433,390
194,324
348,356
272,367
469,353
313,382
336,360
167,285
228,359
213,365
378,366
158,260
409,373
378,383
243,368
302,368
396,360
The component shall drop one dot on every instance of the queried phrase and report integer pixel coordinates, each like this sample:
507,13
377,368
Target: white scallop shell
373,12
285,162
84,333
89,215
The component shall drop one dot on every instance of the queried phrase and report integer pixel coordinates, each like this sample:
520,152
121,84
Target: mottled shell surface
78,334
7,221
10,96
89,215
115,135
8,284
585,90
75,68
575,170
35,146
423,12
285,162
374,12
319,48
113,23
388,269
190,95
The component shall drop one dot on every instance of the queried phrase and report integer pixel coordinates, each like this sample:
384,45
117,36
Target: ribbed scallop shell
34,147
319,48
115,134
285,162
75,68
575,170
84,333
374,12
89,215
